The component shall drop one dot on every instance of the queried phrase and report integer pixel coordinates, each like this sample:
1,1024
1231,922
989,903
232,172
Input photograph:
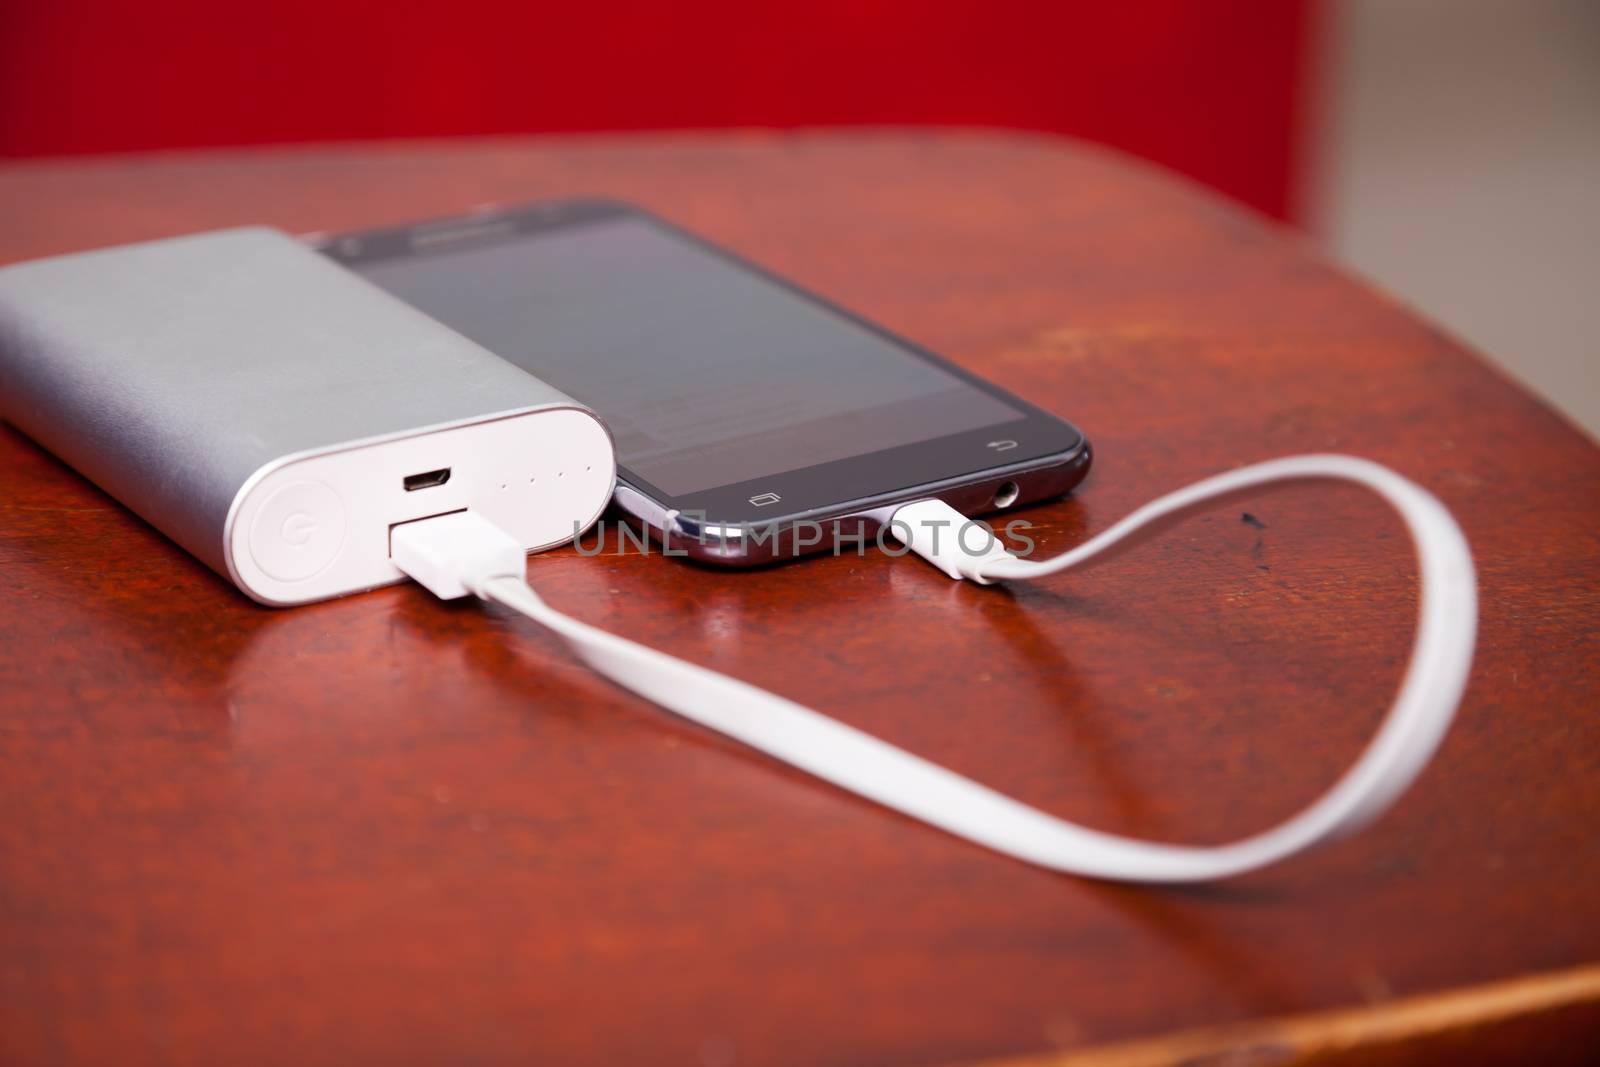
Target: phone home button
761,500
298,531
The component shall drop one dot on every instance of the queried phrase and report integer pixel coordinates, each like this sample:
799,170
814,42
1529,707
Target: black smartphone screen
714,376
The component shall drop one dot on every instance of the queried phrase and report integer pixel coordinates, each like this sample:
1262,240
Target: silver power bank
275,414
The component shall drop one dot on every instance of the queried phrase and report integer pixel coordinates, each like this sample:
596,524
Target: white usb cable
460,553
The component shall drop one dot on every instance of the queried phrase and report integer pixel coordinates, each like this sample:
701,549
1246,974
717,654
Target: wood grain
386,830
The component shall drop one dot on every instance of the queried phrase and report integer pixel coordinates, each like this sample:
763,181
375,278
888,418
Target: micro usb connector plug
957,545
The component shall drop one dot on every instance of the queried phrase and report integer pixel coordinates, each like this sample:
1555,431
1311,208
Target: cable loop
851,759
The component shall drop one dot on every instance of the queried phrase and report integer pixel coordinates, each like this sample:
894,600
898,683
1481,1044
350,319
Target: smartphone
753,420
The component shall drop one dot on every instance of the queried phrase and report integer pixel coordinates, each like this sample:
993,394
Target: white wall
1459,166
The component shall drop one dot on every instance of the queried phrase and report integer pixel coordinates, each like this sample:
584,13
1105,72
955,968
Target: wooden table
384,830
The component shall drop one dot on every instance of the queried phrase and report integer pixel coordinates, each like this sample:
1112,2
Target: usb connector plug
455,554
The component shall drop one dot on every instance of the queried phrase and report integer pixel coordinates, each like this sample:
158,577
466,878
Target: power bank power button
298,531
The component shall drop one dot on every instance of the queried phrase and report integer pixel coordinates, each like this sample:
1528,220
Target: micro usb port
427,479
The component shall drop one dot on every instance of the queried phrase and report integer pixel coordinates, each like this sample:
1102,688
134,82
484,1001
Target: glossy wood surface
385,830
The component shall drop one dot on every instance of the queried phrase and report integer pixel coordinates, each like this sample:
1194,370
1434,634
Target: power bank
276,415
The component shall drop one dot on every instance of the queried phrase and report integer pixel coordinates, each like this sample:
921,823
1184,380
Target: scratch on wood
1403,1027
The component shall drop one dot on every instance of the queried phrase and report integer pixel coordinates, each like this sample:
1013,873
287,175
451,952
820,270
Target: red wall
1209,88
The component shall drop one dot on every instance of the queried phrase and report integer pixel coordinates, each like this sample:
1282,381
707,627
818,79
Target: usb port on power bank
427,479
